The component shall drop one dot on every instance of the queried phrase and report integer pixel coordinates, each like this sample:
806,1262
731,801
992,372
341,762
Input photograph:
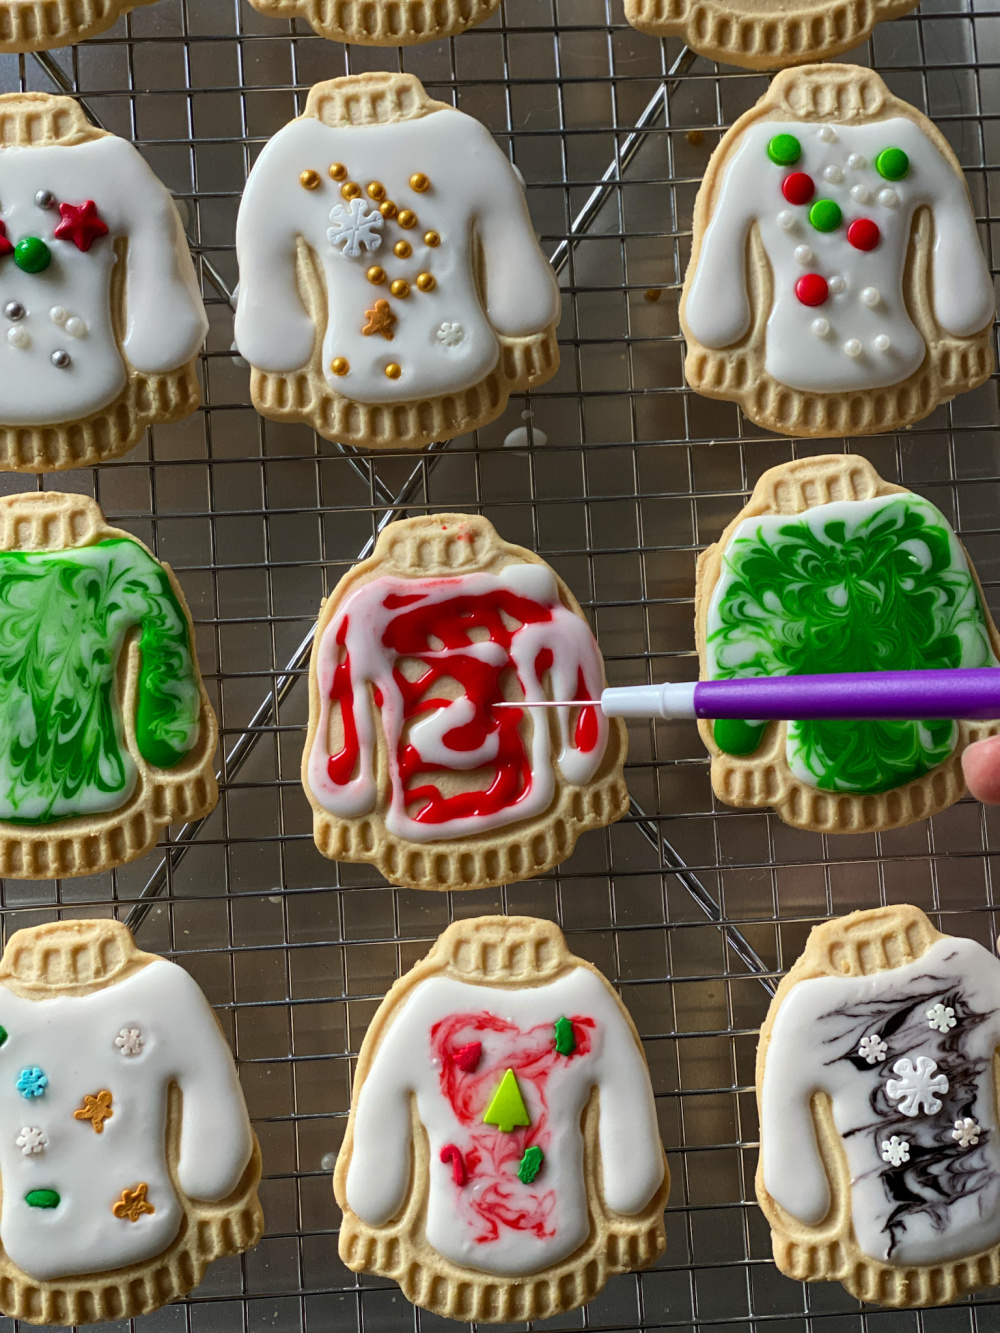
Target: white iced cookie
384,22
502,1157
126,1155
836,284
392,289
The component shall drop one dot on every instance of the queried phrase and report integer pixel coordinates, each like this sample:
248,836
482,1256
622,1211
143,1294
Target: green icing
64,618
851,586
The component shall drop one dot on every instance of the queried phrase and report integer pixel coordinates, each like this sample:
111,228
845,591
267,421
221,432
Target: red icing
467,1057
5,246
812,289
449,1153
864,234
491,1157
341,766
798,188
81,224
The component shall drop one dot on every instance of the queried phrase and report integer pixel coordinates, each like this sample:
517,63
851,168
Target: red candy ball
798,188
863,234
811,289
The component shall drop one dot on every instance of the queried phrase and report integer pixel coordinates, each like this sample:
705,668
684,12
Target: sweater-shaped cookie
126,1155
877,1084
106,733
392,289
765,34
40,25
383,22
829,568
100,312
836,283
408,764
502,1157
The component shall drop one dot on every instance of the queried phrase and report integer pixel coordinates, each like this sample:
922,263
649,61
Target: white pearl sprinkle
803,255
18,337
888,198
833,174
856,162
861,194
821,327
881,343
870,297
852,347
58,315
75,327
827,133
786,219
837,284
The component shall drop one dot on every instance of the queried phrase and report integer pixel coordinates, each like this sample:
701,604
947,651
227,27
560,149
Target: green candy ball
784,149
32,254
892,164
825,215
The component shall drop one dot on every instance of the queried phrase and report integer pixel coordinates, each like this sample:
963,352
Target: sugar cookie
383,22
40,25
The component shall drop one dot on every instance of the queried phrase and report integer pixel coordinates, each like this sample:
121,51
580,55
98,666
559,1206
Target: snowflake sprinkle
31,1139
451,334
941,1017
129,1041
355,228
872,1048
895,1151
32,1082
966,1132
916,1085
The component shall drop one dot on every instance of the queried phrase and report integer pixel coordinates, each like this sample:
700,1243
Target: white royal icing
564,634
494,1223
72,1039
67,306
717,310
918,1125
475,203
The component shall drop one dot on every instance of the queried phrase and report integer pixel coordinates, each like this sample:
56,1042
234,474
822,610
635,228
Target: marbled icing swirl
859,585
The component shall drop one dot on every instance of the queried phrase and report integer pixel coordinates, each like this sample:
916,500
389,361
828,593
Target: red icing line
812,289
491,1157
341,766
864,234
798,188
449,1153
467,1057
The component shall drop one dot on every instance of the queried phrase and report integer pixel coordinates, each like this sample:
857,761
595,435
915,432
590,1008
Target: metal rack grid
692,909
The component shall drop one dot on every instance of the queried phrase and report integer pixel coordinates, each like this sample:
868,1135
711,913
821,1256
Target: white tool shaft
670,700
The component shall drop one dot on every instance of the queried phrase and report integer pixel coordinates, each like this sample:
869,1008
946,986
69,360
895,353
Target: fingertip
981,766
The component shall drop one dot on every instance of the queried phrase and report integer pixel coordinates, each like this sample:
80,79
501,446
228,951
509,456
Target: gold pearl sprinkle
309,180
338,172
376,275
431,238
400,288
407,218
388,209
340,365
426,282
403,249
393,371
351,190
419,182
376,191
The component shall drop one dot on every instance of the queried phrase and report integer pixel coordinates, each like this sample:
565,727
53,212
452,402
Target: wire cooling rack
692,909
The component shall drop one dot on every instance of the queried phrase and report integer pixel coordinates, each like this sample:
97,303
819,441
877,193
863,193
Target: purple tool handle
968,693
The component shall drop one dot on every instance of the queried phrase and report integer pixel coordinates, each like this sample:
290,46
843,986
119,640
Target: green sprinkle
825,215
4,1034
892,164
42,1199
784,150
531,1164
32,255
736,737
565,1041
507,1109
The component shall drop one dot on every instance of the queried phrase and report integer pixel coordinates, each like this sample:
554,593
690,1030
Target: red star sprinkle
5,246
80,224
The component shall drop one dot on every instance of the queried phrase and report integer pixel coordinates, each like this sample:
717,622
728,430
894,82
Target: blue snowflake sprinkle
32,1082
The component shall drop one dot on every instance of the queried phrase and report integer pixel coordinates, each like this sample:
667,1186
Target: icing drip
863,585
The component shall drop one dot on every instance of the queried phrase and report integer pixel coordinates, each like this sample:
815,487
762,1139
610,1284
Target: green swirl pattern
64,617
863,585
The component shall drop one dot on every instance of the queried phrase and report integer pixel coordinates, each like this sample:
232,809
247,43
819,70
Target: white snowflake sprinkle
451,334
895,1151
872,1048
916,1086
966,1132
941,1017
130,1041
355,228
31,1140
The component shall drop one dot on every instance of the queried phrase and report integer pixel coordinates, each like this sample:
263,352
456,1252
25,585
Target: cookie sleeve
961,286
717,310
631,1151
